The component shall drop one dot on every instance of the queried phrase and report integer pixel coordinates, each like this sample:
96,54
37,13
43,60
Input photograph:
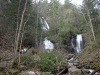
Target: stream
70,63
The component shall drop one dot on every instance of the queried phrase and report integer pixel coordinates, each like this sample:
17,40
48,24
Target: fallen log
61,71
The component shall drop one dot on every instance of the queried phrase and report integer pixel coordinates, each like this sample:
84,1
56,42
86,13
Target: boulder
22,67
29,73
76,64
75,71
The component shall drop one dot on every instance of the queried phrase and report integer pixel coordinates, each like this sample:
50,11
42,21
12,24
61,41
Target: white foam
91,70
45,25
48,44
78,42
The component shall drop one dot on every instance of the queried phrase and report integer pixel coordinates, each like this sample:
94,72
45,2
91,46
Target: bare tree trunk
21,40
20,27
86,23
16,29
23,30
36,38
91,26
41,38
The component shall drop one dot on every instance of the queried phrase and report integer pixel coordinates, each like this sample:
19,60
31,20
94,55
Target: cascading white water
45,25
47,43
78,43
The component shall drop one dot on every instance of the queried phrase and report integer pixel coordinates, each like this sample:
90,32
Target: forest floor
91,59
87,59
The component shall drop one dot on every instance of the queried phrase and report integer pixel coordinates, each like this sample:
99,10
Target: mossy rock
96,65
1,73
7,73
22,67
13,72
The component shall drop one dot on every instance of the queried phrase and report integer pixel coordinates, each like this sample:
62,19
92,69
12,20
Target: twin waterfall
48,45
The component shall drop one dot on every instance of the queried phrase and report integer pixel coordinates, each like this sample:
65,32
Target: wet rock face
74,43
69,48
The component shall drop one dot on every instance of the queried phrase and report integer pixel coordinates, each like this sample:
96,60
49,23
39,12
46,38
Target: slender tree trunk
86,24
36,38
22,39
41,38
20,27
36,31
16,29
91,26
23,30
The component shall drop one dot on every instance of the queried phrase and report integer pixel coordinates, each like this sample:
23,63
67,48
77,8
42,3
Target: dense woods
21,26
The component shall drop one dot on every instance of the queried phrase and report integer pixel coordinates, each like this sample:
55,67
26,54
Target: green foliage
27,60
63,19
89,9
65,32
13,72
49,61
7,73
12,17
67,4
54,7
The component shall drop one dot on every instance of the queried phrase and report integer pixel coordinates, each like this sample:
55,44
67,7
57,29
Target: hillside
41,38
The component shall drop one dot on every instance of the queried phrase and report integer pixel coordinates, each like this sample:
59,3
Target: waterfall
47,43
79,42
45,25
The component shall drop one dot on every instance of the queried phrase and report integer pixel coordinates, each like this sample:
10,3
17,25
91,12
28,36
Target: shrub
27,60
7,73
49,61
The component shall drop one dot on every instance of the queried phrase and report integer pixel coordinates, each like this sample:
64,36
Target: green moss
13,72
7,73
96,65
1,73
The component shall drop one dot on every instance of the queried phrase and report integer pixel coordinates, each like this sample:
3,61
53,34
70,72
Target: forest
38,37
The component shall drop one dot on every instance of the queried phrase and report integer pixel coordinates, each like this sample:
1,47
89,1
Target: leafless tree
19,30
